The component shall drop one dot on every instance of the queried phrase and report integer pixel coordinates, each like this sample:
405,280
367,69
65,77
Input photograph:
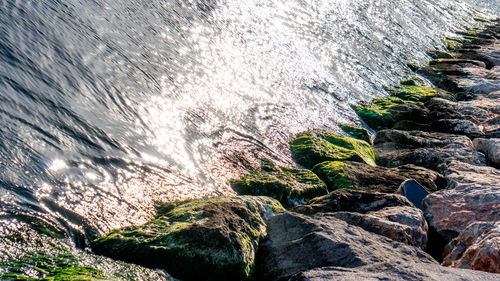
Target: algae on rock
205,239
288,185
316,146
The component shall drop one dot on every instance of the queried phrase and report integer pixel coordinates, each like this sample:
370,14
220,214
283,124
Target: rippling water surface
109,105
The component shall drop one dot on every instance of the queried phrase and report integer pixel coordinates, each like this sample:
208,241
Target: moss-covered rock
290,186
29,254
333,174
205,239
414,93
355,175
385,112
316,146
356,132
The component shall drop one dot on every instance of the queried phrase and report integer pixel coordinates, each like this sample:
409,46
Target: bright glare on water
109,106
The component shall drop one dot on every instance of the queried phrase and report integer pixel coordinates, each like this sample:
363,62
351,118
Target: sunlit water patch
109,106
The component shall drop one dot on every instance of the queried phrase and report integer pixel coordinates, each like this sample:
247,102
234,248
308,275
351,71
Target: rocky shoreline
420,200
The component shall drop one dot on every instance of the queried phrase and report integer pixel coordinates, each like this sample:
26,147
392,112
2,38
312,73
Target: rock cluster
427,191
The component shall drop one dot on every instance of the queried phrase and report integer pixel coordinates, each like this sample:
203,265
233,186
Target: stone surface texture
297,243
477,247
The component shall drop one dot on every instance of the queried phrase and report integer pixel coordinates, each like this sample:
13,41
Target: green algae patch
414,93
316,146
288,185
47,267
333,174
356,132
204,239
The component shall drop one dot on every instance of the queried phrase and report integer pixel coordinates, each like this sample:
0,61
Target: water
110,105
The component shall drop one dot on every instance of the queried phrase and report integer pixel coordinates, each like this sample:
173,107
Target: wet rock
356,175
352,201
28,254
477,247
316,146
394,272
430,150
491,148
473,195
403,224
458,126
356,132
288,185
297,243
384,113
218,237
413,191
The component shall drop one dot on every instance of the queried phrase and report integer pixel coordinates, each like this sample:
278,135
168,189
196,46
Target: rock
430,150
356,132
477,247
297,243
352,201
458,126
389,215
316,146
394,272
473,195
413,191
218,237
288,185
403,224
491,148
384,113
356,175
28,254
416,93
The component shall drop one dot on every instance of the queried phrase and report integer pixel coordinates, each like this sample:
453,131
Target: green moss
333,174
413,93
61,267
356,132
313,147
288,185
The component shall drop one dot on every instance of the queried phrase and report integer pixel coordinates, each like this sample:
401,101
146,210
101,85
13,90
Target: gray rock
297,243
413,191
394,272
491,148
402,224
430,150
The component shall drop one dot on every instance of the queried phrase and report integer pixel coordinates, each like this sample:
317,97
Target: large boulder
357,175
427,149
477,247
394,272
473,195
288,185
297,243
316,146
205,239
